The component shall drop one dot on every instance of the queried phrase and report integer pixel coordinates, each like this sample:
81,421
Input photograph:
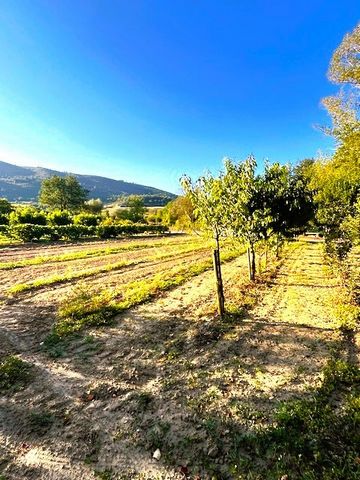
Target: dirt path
169,376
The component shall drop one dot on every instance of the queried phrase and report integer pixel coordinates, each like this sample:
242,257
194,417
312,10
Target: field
232,398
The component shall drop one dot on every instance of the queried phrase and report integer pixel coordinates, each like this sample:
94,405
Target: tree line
321,194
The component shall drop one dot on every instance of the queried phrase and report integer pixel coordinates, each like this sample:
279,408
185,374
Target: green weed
81,255
78,275
41,422
15,374
88,308
314,438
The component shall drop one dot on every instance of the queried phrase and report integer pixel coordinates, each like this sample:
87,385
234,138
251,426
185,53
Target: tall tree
336,181
63,193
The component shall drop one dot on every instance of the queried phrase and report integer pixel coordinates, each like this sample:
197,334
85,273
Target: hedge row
28,232
115,230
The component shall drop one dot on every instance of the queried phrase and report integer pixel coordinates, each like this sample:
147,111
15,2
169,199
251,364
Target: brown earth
164,375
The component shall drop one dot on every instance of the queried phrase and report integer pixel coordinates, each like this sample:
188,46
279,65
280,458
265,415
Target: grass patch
15,374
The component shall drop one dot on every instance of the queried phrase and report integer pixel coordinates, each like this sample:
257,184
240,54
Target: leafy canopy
63,193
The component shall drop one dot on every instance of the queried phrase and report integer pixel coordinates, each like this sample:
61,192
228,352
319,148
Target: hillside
22,184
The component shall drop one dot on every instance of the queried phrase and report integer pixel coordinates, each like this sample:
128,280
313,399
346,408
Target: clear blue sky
147,90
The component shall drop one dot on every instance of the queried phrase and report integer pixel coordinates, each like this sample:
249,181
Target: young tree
286,193
134,211
62,193
245,213
206,195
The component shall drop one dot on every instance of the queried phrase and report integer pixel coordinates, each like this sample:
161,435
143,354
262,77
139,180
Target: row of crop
28,232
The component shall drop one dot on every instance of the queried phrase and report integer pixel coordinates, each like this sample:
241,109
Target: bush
118,229
4,229
4,219
74,232
87,219
28,215
5,206
60,217
106,231
28,232
94,205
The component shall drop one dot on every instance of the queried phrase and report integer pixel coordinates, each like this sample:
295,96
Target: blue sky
147,90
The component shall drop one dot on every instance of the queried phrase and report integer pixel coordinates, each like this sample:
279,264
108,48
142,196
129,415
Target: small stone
157,454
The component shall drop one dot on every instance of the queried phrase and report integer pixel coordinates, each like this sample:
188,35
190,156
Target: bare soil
169,375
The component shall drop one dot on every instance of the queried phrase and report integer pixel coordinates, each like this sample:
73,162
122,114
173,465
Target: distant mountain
22,184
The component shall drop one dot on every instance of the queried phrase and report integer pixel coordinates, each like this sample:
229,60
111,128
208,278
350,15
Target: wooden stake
219,284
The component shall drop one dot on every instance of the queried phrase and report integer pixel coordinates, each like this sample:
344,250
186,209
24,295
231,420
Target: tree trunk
260,263
266,256
218,279
277,247
253,263
249,263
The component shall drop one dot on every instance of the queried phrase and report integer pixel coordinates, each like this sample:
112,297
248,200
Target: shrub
4,219
106,231
60,217
5,206
74,232
28,215
87,219
3,229
28,232
94,205
118,229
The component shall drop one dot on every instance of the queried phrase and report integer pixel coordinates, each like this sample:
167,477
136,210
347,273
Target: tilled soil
163,376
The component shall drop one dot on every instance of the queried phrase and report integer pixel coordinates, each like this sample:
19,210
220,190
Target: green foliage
117,229
5,206
134,211
247,217
87,219
286,193
314,438
14,373
206,195
336,181
63,193
345,63
73,232
4,219
179,213
351,225
60,217
27,215
4,230
41,421
85,307
29,232
94,205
